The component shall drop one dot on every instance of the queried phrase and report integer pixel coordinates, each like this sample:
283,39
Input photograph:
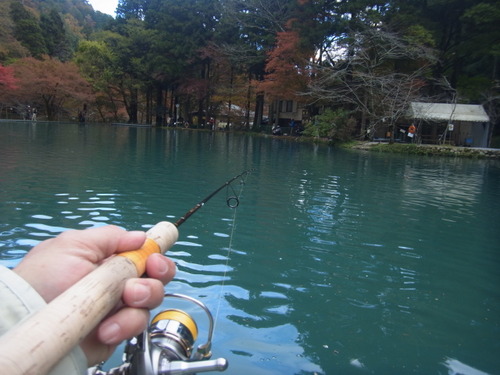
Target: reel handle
39,342
182,367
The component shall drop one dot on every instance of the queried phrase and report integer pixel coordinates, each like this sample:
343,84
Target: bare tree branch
378,75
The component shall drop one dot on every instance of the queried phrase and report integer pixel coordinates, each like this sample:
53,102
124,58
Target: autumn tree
55,88
7,83
287,68
7,79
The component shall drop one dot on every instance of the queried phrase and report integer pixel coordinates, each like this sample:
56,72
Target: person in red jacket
411,132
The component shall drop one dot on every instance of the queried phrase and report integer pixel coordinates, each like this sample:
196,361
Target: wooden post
36,344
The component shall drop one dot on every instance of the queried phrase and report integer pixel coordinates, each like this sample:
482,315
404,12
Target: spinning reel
166,346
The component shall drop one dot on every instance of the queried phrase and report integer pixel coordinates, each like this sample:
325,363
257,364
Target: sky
104,6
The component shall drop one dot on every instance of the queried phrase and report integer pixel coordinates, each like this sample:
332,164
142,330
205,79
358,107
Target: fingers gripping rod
39,342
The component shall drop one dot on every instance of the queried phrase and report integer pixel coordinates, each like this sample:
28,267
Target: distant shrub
495,142
335,125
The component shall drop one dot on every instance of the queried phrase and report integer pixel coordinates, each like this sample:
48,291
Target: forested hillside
53,27
360,61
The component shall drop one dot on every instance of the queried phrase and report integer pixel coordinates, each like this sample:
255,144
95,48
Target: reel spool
175,330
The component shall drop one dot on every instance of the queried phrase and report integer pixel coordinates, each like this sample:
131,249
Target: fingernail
163,267
109,333
141,293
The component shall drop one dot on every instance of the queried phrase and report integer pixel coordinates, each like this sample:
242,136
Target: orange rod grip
140,256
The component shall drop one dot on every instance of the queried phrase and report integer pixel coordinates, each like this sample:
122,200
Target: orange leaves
49,84
49,75
286,68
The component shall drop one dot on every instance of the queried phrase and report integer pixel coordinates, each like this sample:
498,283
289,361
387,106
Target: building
457,124
287,114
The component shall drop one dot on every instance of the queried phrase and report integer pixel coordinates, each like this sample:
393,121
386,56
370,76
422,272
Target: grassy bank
397,148
441,150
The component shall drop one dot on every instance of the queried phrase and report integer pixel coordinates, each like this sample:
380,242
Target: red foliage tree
56,88
7,79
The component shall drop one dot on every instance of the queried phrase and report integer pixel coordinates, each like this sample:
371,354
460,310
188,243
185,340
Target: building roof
449,112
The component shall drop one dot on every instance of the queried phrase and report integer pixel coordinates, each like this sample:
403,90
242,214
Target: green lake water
335,262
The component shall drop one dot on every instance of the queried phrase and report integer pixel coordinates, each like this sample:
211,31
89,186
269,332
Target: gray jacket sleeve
18,300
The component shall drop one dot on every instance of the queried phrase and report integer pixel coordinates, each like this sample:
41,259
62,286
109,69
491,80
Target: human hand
54,265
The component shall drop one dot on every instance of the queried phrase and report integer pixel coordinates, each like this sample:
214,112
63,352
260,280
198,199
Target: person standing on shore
411,132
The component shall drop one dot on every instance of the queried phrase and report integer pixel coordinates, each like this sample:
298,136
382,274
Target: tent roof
449,112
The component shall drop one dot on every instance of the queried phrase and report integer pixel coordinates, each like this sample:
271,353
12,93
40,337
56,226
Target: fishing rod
39,342
232,202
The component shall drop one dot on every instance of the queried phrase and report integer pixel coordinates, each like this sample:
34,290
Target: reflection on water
334,262
456,367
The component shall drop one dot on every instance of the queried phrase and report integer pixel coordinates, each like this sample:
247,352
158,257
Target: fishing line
233,202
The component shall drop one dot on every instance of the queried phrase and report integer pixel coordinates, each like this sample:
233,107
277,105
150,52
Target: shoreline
424,149
402,148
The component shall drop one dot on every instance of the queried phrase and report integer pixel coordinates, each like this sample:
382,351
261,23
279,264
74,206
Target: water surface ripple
335,262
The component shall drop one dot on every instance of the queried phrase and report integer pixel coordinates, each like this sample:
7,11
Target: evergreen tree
27,29
54,34
130,48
